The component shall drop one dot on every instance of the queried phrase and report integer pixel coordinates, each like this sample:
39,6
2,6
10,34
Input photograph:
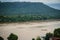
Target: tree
1,38
33,38
57,32
48,36
12,37
38,38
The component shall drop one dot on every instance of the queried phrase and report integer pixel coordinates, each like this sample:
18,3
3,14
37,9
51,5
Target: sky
44,1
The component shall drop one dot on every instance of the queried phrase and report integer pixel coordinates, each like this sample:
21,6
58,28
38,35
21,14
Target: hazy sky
44,1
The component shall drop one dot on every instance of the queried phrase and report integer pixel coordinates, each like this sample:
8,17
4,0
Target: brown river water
28,30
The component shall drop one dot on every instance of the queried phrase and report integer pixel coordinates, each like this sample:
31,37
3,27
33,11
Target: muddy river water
28,30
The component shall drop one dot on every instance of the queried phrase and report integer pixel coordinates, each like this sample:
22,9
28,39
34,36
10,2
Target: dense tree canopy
22,18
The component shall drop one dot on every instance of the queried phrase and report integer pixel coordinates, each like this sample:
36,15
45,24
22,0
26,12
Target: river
28,30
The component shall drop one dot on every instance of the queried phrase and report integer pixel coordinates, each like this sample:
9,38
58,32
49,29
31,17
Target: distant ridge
17,8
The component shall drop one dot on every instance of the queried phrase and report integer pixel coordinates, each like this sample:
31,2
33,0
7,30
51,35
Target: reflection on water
29,30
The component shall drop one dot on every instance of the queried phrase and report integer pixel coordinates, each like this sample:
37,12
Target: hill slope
12,8
26,11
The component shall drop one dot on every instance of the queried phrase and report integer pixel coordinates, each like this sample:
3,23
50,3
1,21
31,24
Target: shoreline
30,22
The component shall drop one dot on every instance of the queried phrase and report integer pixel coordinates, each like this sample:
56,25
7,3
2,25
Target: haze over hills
54,5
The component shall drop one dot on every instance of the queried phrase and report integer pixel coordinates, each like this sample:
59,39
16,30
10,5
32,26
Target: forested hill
26,11
16,8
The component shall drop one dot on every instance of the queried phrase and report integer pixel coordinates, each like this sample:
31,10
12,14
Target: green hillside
26,11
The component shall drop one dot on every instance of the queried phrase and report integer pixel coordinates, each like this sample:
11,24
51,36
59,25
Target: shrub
1,38
33,38
38,38
12,37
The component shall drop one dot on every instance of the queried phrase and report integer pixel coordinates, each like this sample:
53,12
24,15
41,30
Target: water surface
28,30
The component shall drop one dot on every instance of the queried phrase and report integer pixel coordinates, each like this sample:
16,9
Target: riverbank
34,21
